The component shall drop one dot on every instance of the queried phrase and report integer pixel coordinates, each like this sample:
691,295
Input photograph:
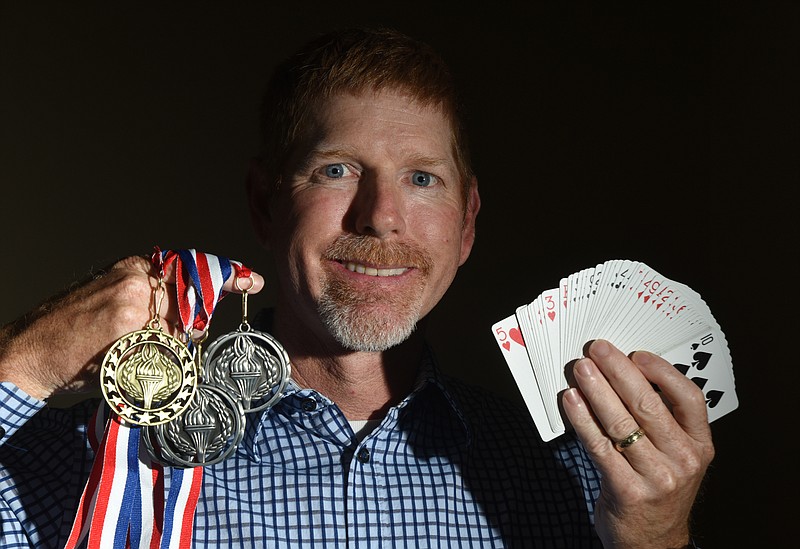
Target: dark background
660,132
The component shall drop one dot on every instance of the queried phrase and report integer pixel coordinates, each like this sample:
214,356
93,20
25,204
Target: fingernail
584,368
601,348
642,358
571,395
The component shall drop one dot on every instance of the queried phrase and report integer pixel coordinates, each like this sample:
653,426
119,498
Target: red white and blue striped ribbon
123,504
199,278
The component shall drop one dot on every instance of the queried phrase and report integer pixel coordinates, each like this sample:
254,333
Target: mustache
370,250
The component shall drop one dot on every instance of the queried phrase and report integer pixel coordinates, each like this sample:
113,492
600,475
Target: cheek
442,229
320,211
306,229
441,237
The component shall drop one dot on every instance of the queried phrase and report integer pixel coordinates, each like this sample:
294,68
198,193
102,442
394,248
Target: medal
153,384
208,431
252,365
148,377
191,403
243,371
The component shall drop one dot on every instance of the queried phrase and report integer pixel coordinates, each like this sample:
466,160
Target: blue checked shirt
450,466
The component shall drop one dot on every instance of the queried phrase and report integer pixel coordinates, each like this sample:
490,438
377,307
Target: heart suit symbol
516,336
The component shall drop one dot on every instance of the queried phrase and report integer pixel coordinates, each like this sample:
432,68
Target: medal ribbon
123,504
198,278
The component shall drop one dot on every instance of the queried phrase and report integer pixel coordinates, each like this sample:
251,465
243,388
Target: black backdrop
600,130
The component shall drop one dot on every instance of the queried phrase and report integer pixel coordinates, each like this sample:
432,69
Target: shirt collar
430,383
430,377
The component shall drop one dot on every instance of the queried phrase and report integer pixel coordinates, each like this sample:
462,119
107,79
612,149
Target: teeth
372,271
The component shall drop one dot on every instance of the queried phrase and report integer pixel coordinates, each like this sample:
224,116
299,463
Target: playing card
546,342
633,306
703,359
509,338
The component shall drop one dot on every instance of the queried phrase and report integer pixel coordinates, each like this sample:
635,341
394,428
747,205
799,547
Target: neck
363,384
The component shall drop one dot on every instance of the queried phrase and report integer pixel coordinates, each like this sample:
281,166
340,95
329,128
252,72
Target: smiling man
365,197
370,221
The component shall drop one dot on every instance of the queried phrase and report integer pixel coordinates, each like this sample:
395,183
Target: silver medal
250,364
208,432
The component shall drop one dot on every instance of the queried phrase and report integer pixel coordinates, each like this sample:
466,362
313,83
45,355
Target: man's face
369,227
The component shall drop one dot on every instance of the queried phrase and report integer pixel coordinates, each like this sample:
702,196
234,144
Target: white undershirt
363,427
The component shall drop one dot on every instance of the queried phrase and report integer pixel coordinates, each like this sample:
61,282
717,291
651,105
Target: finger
252,284
583,421
686,399
614,422
642,406
600,447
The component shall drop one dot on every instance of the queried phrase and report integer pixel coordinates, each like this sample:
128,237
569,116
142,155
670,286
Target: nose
377,208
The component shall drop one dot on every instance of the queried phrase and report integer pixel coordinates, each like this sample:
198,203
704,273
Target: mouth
373,271
366,255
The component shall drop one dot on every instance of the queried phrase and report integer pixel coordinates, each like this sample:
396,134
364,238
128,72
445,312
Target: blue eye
335,171
422,179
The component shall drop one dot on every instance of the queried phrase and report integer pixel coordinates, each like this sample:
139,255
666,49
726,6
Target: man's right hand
58,348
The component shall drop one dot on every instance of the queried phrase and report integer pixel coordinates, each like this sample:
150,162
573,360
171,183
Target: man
365,197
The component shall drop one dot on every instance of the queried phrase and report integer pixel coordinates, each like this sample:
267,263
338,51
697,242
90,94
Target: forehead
387,117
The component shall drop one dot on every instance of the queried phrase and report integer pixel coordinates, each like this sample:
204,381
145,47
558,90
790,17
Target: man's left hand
647,488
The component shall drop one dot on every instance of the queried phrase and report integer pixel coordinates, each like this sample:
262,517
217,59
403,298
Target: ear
259,196
471,213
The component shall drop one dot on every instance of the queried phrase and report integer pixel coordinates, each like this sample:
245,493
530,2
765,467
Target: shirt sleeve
16,408
45,459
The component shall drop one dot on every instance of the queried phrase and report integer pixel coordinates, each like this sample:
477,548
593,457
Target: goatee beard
372,321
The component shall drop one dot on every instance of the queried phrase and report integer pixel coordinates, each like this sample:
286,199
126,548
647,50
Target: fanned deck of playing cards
632,306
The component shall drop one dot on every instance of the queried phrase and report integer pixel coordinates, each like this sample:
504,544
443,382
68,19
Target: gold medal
148,377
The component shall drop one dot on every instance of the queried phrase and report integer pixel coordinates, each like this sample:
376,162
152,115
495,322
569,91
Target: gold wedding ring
628,441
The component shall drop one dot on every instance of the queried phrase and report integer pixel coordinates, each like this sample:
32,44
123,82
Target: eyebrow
314,155
421,160
428,161
310,158
330,153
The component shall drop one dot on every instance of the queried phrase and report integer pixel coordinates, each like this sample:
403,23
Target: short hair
355,60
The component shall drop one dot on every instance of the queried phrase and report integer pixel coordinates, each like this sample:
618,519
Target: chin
370,319
372,330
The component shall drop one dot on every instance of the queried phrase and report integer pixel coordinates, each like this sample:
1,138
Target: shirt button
363,455
309,404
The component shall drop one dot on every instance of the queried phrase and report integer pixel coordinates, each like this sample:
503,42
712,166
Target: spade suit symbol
713,397
700,381
682,368
700,359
